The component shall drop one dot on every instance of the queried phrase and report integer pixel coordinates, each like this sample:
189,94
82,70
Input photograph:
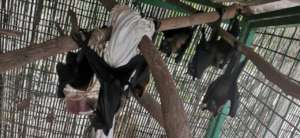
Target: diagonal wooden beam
174,116
288,86
152,106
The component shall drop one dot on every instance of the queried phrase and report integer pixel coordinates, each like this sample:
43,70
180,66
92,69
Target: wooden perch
175,119
246,2
196,19
153,107
288,86
32,53
10,32
29,54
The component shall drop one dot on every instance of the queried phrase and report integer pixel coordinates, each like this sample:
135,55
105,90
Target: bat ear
81,37
157,24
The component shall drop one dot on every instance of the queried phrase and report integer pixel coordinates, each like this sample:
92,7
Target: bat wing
234,100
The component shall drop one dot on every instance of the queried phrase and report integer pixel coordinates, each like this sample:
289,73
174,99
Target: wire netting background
264,112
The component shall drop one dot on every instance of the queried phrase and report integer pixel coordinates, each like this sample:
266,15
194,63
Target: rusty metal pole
175,118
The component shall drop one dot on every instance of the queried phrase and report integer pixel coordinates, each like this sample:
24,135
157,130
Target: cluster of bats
80,68
213,52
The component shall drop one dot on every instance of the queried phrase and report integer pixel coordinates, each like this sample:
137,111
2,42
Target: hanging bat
113,81
76,72
224,89
176,41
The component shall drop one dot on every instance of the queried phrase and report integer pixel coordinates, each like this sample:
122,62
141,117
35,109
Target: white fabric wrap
128,28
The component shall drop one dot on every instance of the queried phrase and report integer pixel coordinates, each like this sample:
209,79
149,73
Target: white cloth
128,28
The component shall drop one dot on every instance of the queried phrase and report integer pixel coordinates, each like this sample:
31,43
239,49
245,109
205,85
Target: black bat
224,50
76,72
225,88
176,41
206,51
113,81
202,59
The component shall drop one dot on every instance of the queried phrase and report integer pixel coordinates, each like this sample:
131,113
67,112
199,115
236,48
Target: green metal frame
288,16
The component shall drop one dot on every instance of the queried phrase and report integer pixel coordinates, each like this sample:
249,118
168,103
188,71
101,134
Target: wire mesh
29,107
265,110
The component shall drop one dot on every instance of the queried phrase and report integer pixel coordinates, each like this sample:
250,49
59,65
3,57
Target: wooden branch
10,32
175,119
32,53
29,54
246,2
288,86
196,19
153,107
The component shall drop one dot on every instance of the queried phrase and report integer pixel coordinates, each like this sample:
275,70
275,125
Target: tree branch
10,32
153,107
196,19
174,116
29,54
246,2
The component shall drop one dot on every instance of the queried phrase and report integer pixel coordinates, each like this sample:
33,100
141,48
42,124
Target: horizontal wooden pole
30,54
49,48
246,2
288,86
10,32
174,116
196,19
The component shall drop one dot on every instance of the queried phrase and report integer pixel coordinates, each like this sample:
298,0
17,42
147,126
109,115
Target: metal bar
289,20
272,14
216,123
280,17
